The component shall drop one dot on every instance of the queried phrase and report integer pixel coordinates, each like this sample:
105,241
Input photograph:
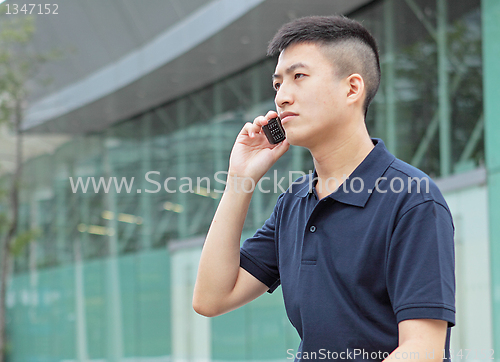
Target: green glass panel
491,54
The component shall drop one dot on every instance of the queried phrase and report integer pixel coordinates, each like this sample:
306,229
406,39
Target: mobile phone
274,131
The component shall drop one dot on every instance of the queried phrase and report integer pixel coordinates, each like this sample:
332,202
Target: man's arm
221,285
421,278
420,340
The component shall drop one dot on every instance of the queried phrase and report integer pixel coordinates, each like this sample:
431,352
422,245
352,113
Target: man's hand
222,285
252,155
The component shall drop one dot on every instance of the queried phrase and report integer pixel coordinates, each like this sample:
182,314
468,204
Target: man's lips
287,116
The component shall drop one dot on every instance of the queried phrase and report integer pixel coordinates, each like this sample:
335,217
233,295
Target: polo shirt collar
369,170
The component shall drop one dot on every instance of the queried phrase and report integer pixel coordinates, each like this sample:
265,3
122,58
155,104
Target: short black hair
350,45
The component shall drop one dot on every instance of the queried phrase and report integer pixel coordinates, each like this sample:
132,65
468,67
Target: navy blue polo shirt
375,252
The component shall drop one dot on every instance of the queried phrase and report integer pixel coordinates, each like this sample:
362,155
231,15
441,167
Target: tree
19,64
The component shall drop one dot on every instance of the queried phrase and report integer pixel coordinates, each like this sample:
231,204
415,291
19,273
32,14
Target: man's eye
276,86
299,75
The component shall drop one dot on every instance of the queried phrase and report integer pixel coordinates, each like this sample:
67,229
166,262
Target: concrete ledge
463,180
196,242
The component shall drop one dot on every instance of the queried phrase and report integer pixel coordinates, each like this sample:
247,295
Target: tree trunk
9,236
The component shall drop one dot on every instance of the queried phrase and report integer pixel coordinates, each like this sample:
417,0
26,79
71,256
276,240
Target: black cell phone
274,131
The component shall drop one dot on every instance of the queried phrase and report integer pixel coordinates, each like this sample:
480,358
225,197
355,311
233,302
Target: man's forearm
416,352
420,340
220,257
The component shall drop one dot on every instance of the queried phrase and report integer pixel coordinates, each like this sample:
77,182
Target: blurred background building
165,86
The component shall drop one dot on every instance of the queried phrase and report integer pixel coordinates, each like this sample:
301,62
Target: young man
363,249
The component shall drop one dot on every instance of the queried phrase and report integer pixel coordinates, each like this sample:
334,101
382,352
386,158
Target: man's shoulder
419,187
404,168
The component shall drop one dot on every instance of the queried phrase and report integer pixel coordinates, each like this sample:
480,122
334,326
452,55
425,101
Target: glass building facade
122,213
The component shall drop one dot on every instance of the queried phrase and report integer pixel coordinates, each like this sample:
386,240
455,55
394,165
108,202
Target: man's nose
283,97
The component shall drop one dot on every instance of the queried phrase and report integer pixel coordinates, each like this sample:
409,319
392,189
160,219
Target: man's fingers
250,129
263,120
281,148
271,114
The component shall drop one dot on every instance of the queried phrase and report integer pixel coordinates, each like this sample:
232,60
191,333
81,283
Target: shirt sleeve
258,254
421,264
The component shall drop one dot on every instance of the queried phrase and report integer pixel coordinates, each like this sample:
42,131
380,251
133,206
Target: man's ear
356,89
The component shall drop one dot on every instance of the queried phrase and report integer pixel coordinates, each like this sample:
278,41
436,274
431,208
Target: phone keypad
274,131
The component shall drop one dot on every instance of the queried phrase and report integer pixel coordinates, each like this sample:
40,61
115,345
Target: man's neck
337,159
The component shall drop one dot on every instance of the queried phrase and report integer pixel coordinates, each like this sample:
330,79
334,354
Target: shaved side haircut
351,48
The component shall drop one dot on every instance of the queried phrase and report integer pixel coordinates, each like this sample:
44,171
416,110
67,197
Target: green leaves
20,62
22,239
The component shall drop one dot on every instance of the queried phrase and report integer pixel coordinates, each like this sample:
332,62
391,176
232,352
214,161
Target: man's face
309,96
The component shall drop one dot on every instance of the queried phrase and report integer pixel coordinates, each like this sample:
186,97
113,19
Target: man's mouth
287,116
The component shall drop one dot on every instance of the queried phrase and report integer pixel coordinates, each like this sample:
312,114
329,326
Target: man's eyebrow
290,69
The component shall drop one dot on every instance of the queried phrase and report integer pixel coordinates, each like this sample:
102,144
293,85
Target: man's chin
296,141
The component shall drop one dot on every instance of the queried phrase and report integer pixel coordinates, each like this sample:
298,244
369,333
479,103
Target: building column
258,198
389,73
79,243
114,321
443,89
146,198
491,79
182,138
